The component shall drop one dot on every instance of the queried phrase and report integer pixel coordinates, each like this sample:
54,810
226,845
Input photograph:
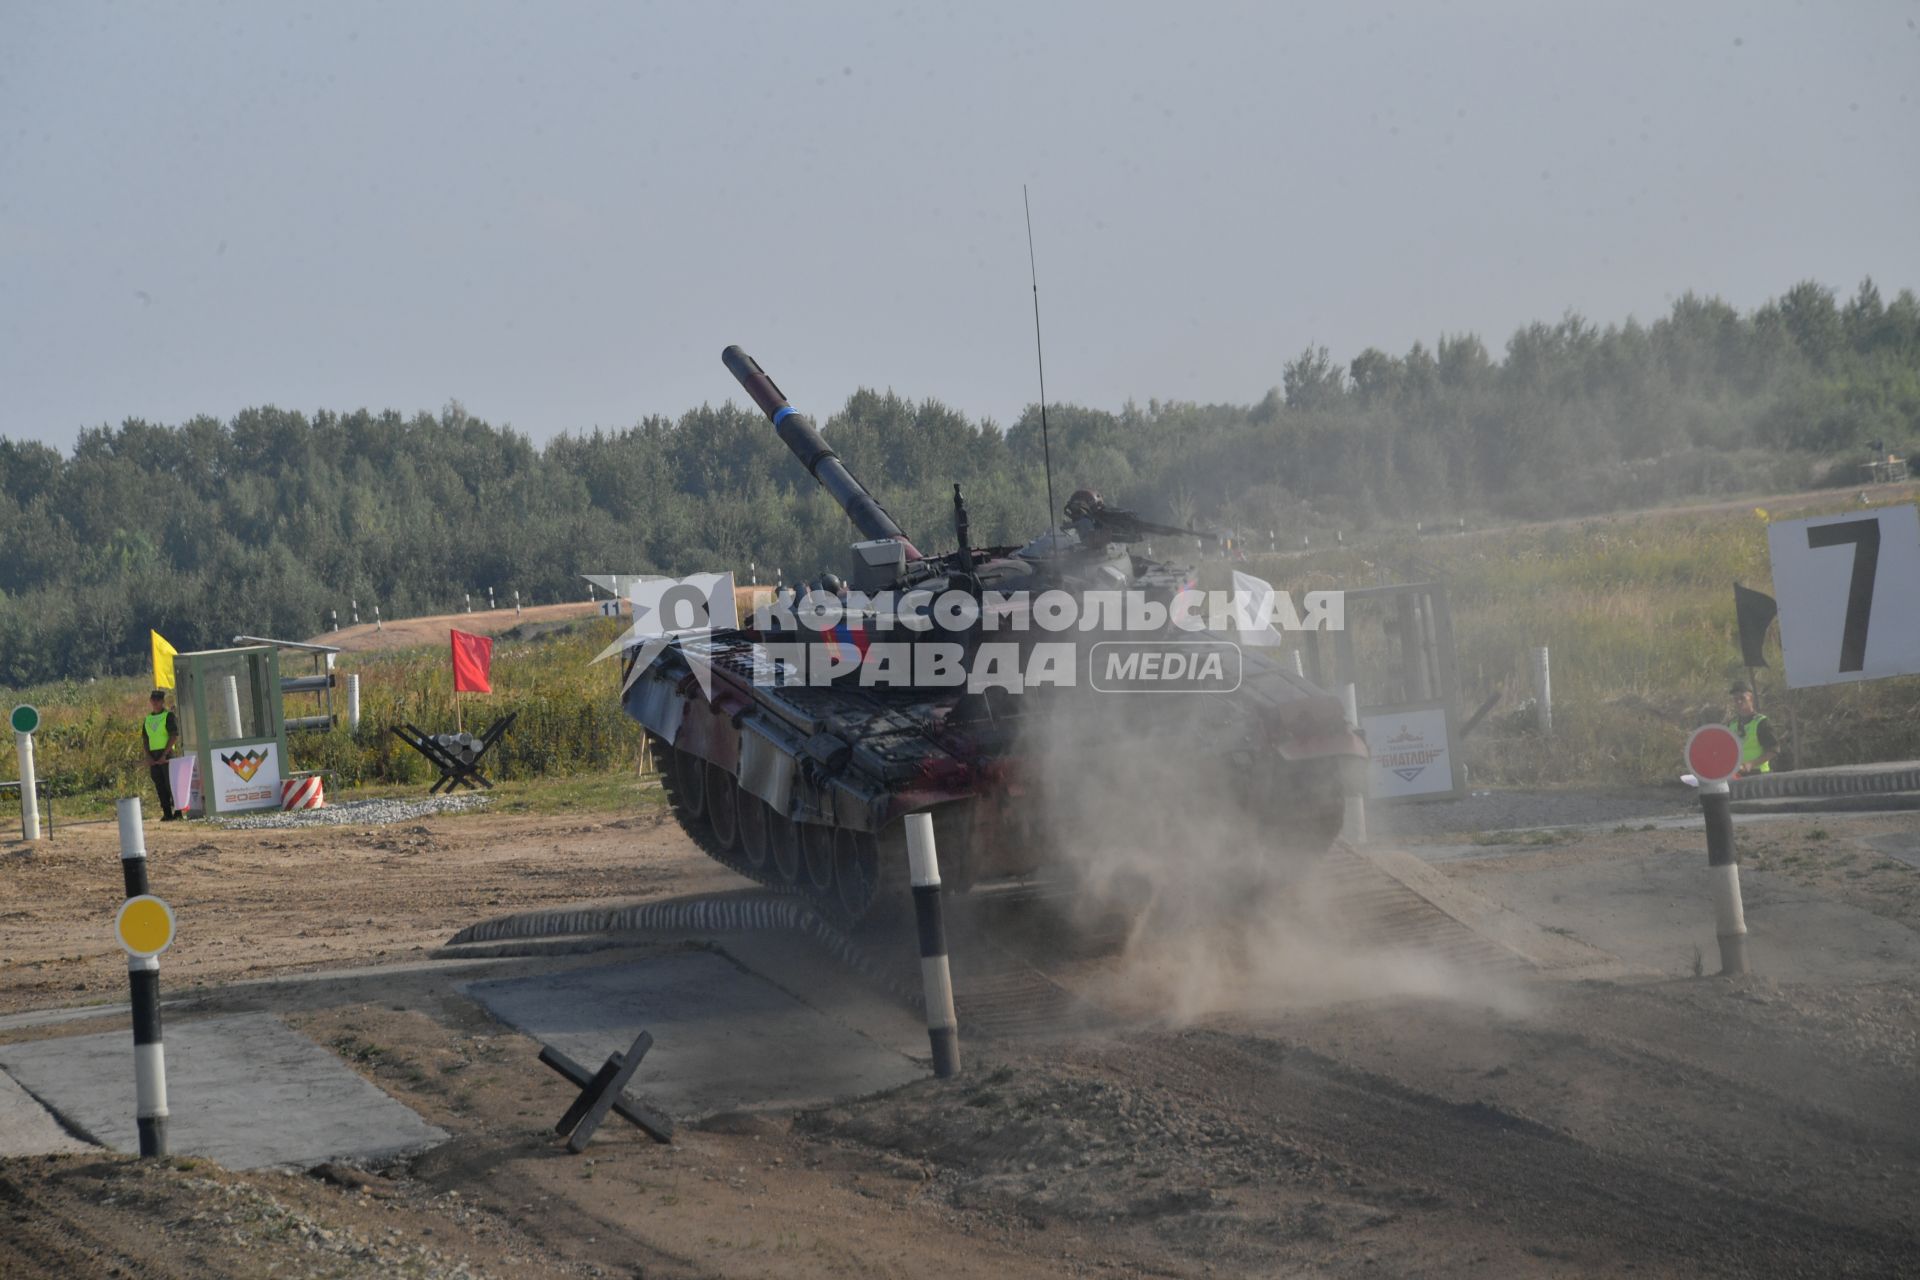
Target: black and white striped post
1723,863
1713,755
145,929
943,1029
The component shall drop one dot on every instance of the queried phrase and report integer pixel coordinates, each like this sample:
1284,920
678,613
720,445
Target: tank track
853,878
850,877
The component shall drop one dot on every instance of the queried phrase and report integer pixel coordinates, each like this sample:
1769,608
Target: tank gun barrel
799,434
1110,524
1138,527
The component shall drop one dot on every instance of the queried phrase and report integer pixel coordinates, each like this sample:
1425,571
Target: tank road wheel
755,820
689,788
784,837
1319,825
1306,808
856,871
723,812
816,846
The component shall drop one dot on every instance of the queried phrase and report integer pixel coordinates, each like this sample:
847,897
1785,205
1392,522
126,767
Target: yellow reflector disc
145,925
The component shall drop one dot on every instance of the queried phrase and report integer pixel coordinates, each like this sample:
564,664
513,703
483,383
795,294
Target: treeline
266,523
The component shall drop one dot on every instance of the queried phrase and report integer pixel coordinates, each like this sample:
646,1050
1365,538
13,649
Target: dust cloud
1164,822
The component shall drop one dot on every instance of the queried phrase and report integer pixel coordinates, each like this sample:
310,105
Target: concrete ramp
1833,780
1845,788
1395,897
247,1092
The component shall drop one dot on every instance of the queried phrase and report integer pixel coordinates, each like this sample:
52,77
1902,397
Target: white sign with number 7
1849,594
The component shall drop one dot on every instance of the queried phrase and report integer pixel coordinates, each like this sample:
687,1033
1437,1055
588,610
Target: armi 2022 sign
245,777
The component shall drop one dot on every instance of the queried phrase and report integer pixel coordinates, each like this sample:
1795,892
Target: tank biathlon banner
1410,755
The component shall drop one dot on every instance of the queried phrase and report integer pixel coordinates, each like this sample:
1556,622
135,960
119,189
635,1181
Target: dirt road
1506,1126
412,633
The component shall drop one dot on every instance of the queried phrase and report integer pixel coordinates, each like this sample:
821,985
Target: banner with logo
245,777
1411,755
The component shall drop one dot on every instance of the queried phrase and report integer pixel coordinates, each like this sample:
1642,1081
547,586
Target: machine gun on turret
1101,525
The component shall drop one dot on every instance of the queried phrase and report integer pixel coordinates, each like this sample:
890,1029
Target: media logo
1165,666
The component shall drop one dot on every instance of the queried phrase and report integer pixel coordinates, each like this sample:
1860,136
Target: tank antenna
1046,450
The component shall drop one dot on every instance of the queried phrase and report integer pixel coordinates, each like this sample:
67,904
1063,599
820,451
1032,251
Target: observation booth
229,704
1396,655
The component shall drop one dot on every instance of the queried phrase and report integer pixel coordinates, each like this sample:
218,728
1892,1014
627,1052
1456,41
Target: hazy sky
560,213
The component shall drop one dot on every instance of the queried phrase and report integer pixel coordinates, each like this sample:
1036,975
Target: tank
793,746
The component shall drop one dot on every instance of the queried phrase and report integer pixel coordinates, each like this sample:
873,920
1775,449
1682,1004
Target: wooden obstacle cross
600,1092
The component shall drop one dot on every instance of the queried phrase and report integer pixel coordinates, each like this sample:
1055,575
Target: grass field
1636,611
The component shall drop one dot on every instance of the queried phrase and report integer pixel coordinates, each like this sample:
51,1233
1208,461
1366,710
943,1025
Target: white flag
1257,594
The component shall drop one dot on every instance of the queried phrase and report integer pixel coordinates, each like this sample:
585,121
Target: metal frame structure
1412,672
321,681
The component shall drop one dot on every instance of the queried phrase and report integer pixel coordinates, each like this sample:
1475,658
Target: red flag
472,663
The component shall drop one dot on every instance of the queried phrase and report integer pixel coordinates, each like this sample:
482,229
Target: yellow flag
1762,513
162,661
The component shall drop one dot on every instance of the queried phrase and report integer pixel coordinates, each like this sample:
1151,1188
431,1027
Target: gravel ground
358,813
1524,810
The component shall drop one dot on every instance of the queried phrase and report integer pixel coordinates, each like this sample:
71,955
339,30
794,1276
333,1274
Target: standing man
1758,745
160,736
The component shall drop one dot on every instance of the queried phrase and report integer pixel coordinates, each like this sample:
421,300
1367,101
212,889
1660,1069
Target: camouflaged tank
793,746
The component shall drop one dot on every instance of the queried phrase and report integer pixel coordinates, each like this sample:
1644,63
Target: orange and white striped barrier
302,793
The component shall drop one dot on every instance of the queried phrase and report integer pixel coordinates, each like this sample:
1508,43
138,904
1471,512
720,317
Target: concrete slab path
248,1092
29,1129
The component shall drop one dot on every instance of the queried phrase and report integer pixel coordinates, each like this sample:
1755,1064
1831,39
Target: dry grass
1637,613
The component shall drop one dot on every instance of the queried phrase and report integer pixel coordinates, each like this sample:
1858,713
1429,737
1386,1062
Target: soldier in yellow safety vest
160,737
1757,741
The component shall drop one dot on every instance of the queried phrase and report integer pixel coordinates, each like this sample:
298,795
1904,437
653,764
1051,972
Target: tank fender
767,766
857,809
658,706
705,731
